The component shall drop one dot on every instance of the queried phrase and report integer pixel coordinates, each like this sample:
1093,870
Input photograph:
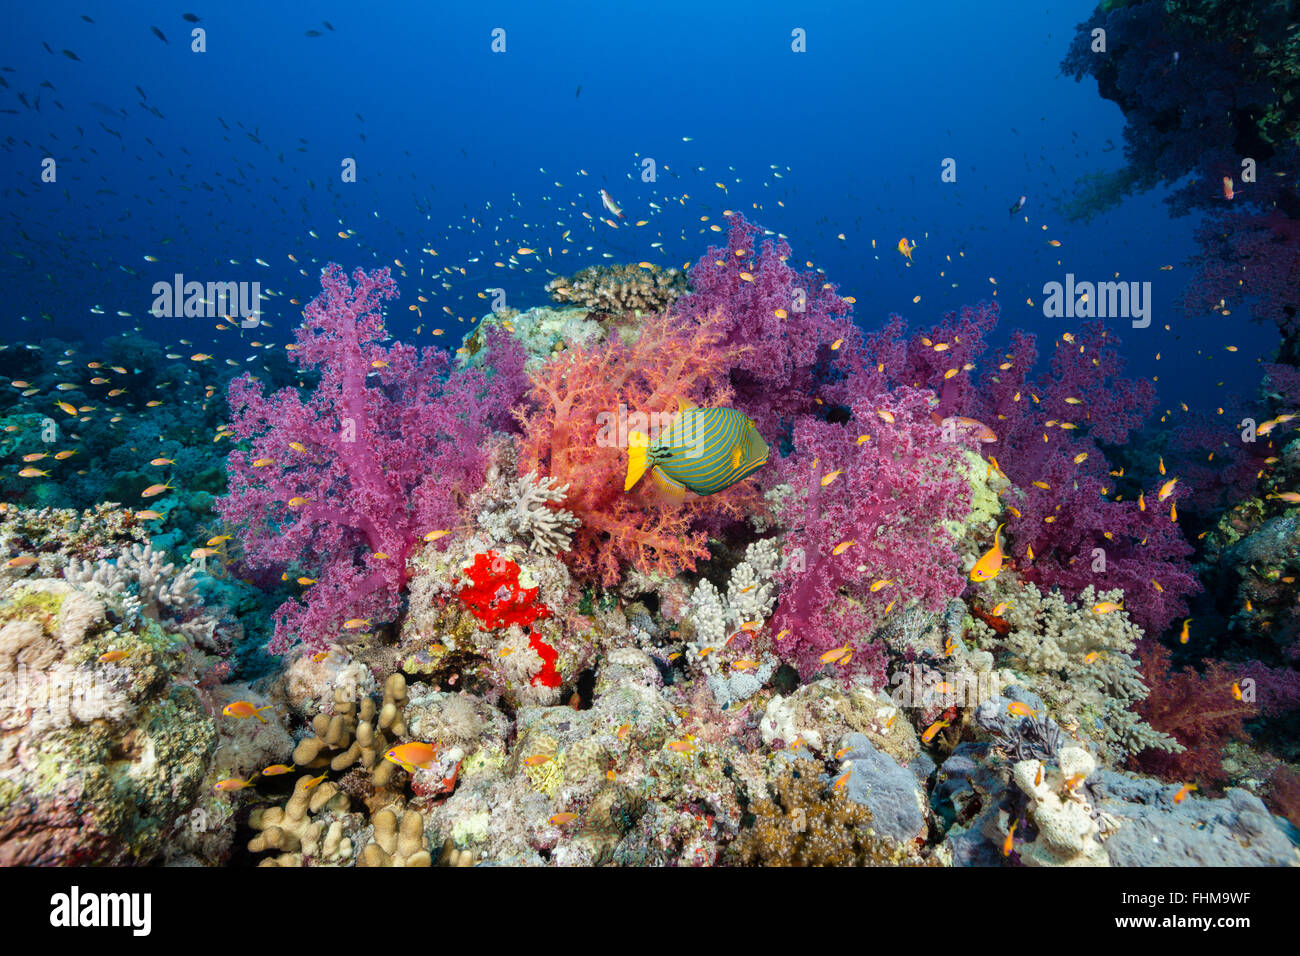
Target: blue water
459,149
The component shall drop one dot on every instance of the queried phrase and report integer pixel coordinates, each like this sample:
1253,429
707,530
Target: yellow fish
412,756
245,708
1106,607
990,563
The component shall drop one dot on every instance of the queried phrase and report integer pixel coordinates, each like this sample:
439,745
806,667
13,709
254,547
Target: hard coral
805,823
615,290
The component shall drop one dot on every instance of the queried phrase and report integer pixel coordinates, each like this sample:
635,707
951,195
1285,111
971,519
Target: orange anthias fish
905,248
412,756
1183,791
990,563
276,769
932,730
1009,843
234,783
837,655
245,708
686,745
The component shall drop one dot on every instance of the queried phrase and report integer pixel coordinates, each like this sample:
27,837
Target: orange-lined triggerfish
703,450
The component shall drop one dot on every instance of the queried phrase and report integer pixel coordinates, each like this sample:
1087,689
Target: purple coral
785,322
340,485
887,494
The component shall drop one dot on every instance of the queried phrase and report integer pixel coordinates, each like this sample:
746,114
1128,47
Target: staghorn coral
616,290
1080,662
806,823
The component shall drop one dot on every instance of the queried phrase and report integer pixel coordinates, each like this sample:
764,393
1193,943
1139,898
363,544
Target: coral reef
607,291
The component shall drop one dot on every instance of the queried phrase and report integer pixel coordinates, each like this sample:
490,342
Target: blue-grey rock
1235,830
888,790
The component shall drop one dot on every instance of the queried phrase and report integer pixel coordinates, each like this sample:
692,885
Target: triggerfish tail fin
638,458
670,489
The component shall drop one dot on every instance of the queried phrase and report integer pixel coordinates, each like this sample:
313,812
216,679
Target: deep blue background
456,138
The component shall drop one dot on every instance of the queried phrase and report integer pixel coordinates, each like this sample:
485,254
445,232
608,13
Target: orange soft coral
577,435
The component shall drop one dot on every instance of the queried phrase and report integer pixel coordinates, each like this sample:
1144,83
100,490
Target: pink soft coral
784,321
340,485
573,435
889,494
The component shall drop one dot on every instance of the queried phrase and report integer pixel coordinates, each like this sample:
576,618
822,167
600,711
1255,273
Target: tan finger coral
301,840
396,843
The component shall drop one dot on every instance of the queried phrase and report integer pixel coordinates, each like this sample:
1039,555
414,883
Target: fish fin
672,490
685,404
737,456
638,458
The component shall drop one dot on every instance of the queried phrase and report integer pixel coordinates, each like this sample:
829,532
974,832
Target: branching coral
529,509
1080,662
145,584
616,290
729,643
300,839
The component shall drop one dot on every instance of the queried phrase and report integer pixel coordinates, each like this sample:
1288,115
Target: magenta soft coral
340,484
892,493
783,321
1051,428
